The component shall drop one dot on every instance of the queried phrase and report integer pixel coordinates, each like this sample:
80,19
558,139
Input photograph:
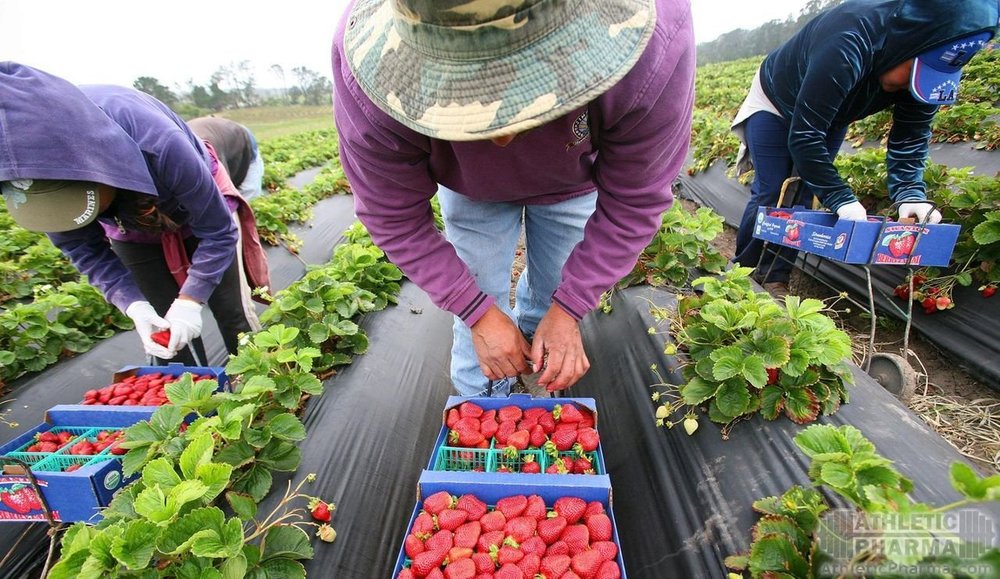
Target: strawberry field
338,411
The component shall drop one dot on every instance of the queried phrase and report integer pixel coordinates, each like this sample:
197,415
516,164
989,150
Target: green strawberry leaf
243,505
287,542
134,548
801,406
772,402
732,398
698,390
775,553
177,537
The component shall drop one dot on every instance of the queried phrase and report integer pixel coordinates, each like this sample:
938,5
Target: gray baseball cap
51,206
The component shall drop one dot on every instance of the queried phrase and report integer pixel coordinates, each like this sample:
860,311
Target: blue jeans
767,141
485,235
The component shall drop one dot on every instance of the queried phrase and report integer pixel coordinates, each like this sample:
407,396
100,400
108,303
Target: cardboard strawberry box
491,488
76,494
874,241
461,450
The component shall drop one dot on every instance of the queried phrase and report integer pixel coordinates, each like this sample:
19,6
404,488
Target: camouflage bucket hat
463,70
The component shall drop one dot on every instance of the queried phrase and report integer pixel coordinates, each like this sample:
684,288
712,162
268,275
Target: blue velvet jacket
827,76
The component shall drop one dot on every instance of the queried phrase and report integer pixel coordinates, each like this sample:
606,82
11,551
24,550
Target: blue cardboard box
873,241
490,487
70,496
445,457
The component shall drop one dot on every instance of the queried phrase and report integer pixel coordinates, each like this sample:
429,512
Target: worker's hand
853,211
146,322
922,212
184,317
557,350
500,347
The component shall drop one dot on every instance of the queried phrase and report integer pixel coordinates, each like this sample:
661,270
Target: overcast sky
117,41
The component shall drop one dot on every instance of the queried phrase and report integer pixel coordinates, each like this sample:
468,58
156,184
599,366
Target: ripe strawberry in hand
162,337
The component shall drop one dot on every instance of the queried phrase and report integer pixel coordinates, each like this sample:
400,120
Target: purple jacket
51,129
643,135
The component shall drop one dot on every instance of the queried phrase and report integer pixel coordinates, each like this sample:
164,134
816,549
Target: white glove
148,321
919,212
853,211
184,318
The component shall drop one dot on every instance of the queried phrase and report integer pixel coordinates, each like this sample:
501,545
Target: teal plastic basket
464,459
595,460
514,463
76,431
59,463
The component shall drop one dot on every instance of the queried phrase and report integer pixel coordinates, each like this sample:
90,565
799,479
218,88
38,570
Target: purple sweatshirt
121,137
642,138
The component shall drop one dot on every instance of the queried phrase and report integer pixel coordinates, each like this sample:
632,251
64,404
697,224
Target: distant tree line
742,43
234,86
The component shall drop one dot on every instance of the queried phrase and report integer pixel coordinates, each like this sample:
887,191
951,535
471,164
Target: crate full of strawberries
75,459
147,385
519,434
499,528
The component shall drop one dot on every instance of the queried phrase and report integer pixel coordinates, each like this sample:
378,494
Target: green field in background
270,122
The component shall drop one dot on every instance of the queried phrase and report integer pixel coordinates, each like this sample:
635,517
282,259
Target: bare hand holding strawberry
557,349
500,346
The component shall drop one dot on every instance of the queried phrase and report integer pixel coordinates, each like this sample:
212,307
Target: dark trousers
149,270
767,142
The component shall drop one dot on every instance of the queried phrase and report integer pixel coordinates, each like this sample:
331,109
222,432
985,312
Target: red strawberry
470,410
535,508
489,540
512,506
435,573
413,546
467,535
406,574
489,428
423,525
608,570
772,375
519,440
943,302
558,548
440,541
530,466
424,562
568,413
551,529
570,507
452,417
509,571
988,290
520,528
507,554
555,565
512,413
576,537
465,438
472,505
162,337
506,428
534,413
460,569
582,465
537,436
599,527
493,521
534,545
488,415
320,511
16,500
593,508
588,439
438,502
607,549
451,519
547,422
530,564
586,563
564,439
484,563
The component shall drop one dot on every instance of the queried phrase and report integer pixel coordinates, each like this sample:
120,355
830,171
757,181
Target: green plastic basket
514,463
595,460
59,463
76,431
464,459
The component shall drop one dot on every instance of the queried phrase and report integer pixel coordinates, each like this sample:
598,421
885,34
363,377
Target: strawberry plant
801,535
747,354
682,244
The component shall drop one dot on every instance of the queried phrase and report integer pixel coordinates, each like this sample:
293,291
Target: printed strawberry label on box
873,241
